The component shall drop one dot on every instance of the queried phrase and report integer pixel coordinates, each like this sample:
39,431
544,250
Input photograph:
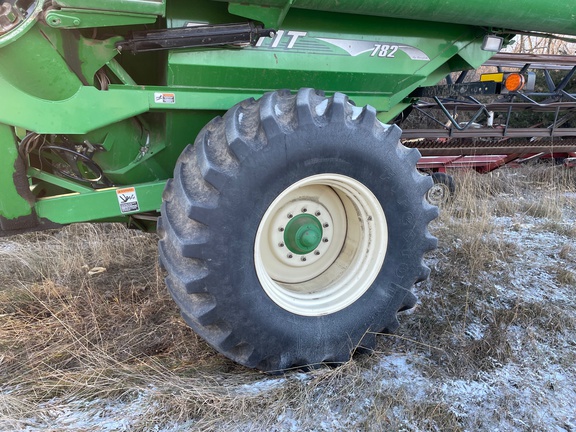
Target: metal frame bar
99,204
557,100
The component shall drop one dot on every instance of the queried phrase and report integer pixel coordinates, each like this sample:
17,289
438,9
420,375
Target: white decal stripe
356,47
352,47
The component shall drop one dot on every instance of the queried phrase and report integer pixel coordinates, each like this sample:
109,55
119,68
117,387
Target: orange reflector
515,82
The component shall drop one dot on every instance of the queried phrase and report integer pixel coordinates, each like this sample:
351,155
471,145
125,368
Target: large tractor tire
294,229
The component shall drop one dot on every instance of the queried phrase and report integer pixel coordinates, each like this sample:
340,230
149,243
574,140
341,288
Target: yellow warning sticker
128,200
164,98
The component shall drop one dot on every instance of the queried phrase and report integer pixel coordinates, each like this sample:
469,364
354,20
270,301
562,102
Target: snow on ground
539,250
530,392
7,247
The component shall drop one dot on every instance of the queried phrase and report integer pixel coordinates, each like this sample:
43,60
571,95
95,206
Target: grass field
90,340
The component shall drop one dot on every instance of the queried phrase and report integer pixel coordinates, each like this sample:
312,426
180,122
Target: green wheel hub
303,234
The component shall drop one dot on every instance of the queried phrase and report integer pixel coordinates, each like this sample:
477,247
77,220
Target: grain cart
292,223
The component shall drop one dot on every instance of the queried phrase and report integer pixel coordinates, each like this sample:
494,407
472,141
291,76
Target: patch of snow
261,387
99,414
8,247
400,371
288,423
475,331
356,111
76,414
321,107
277,110
533,282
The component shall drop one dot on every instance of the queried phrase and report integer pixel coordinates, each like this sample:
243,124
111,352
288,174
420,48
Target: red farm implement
484,125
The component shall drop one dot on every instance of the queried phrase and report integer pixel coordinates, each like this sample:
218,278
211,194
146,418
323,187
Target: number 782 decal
384,50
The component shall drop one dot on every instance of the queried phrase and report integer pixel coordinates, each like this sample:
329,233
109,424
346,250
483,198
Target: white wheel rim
342,266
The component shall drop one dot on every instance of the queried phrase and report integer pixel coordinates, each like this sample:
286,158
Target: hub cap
303,234
438,194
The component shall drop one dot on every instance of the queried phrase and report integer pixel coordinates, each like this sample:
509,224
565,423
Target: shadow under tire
294,229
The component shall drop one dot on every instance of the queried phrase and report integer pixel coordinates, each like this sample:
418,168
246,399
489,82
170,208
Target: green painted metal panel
374,60
555,16
272,16
81,18
82,56
32,65
12,204
88,109
155,104
146,7
58,181
53,65
101,204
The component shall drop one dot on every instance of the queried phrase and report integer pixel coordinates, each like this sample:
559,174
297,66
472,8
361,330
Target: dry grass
69,333
463,314
466,229
85,319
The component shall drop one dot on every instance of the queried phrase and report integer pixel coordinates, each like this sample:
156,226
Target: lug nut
290,215
325,239
281,229
317,213
290,256
304,210
326,225
303,259
281,244
316,253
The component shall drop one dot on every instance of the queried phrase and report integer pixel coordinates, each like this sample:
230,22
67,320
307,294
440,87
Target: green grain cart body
101,100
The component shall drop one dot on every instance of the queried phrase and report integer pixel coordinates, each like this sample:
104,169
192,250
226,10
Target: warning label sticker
165,98
127,200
